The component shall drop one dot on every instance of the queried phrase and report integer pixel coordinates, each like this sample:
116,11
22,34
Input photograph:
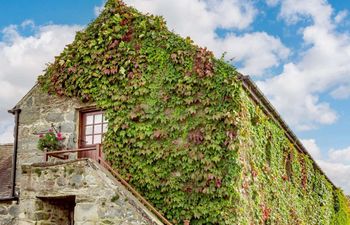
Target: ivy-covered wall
184,132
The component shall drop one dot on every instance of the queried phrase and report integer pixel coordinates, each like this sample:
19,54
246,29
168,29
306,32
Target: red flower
266,212
285,177
41,135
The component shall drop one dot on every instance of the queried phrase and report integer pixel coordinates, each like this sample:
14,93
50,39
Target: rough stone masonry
79,192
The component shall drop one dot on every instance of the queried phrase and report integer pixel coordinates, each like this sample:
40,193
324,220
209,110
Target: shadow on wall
56,210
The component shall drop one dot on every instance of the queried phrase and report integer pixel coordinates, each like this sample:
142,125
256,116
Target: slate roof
5,169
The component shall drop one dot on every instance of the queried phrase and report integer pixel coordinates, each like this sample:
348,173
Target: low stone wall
79,190
8,213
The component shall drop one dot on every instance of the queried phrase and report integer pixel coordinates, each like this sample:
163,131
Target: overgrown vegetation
183,131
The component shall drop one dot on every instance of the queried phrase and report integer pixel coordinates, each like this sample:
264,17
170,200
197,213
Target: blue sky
297,51
44,12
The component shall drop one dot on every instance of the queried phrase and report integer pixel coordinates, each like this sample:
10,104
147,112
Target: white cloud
98,9
27,23
272,2
231,13
312,148
319,11
340,155
264,51
22,59
339,173
323,66
336,166
342,92
256,51
6,136
340,17
187,17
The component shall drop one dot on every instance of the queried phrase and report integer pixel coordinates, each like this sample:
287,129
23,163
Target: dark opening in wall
289,171
56,210
268,149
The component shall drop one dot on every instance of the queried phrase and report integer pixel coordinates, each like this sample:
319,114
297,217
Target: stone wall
5,169
8,213
91,196
39,112
8,209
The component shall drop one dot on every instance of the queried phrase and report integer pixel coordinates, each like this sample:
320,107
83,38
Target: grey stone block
14,210
3,210
54,117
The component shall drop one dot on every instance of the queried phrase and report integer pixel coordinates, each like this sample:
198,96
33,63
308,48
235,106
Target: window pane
105,127
97,129
88,140
97,139
88,130
89,119
98,118
93,126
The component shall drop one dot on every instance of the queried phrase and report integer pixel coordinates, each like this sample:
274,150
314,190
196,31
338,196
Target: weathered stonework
8,209
8,213
38,112
5,169
80,189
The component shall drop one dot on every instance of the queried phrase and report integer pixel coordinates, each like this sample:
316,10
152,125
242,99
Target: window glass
89,120
88,140
97,138
97,129
98,118
88,130
93,126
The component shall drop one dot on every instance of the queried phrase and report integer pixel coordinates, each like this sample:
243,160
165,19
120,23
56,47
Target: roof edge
6,144
259,98
25,96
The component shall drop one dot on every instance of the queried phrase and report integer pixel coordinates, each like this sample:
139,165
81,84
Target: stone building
229,157
77,191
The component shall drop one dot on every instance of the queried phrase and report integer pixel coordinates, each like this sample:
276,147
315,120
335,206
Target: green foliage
183,131
341,208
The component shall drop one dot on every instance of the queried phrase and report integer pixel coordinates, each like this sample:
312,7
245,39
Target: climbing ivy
184,132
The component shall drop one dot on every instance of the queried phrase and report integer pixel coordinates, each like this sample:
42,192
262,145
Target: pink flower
50,130
218,183
59,136
41,135
210,177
